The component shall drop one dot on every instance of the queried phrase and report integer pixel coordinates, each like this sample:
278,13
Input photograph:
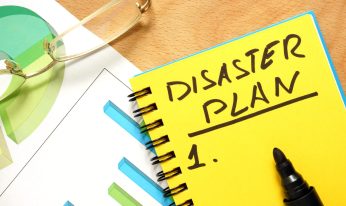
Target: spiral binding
134,96
145,110
168,192
151,126
157,142
163,158
164,176
186,203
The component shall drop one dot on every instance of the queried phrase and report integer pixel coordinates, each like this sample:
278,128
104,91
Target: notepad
214,117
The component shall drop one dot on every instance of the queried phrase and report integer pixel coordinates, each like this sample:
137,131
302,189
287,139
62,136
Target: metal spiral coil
167,192
186,203
167,175
157,142
145,110
147,127
136,95
163,158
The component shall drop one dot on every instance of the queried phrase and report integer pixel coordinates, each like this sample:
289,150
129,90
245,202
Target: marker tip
279,156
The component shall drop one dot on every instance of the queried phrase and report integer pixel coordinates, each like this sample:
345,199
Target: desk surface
175,28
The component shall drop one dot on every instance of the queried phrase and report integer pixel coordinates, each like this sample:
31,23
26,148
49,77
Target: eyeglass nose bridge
144,7
13,68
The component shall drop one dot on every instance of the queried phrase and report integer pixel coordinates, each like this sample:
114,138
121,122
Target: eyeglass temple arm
145,6
142,7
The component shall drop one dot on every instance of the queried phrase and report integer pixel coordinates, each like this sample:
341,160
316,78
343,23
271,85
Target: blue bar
126,122
68,203
143,181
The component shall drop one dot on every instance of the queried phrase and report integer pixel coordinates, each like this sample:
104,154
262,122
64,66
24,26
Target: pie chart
21,38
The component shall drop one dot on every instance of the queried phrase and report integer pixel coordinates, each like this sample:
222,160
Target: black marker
298,192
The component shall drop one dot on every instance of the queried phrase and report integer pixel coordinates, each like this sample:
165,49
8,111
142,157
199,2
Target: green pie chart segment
21,38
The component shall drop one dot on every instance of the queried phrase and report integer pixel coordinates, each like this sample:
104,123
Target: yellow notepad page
225,109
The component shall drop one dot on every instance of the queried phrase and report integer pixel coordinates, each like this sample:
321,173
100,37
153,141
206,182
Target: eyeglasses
108,23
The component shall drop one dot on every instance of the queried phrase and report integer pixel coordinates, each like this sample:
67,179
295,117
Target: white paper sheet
79,160
46,166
